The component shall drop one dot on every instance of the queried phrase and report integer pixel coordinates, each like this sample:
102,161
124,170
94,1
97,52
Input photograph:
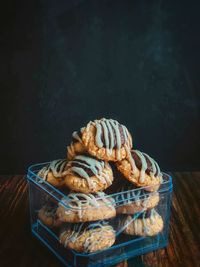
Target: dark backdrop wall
64,63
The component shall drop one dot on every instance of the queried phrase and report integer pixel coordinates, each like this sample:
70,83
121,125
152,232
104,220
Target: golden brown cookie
133,200
88,237
47,215
107,139
77,207
88,175
141,170
54,173
148,223
76,147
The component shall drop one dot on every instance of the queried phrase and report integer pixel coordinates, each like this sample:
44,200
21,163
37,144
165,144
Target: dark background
63,63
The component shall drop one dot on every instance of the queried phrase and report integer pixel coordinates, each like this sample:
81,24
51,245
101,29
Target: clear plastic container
125,246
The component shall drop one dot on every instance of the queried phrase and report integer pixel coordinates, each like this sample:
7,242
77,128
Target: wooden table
19,248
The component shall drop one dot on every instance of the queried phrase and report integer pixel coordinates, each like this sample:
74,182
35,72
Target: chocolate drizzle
145,163
80,227
74,231
111,135
121,132
84,200
86,167
57,167
78,202
138,163
145,215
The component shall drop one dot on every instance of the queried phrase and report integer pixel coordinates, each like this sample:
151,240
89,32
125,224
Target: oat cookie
107,139
54,172
78,207
133,200
88,238
88,175
47,215
141,170
76,147
149,223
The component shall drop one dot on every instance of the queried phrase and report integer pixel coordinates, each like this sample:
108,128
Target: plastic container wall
144,223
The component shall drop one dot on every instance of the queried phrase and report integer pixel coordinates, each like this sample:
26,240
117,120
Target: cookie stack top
104,140
93,147
107,140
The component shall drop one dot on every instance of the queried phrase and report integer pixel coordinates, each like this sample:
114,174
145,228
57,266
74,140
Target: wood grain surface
19,248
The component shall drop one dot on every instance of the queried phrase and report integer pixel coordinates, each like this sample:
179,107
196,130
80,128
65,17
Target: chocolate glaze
76,162
74,203
138,163
87,170
145,214
59,164
115,138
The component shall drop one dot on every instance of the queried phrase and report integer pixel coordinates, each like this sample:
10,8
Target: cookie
47,215
76,147
88,175
141,170
77,207
54,173
133,200
88,238
148,223
107,139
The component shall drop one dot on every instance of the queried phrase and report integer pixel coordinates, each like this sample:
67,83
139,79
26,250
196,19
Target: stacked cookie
87,210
